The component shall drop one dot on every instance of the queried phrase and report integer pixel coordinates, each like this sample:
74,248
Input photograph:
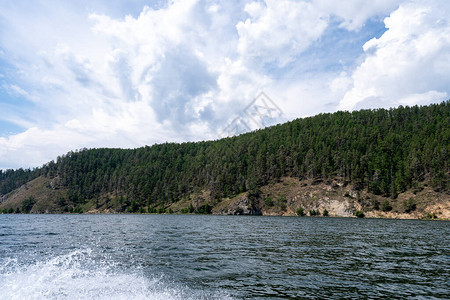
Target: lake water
221,257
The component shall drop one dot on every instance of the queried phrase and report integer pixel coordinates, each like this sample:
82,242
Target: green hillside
380,152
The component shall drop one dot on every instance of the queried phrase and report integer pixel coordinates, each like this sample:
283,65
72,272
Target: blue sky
76,74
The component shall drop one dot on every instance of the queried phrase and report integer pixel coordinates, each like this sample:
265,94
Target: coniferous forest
384,152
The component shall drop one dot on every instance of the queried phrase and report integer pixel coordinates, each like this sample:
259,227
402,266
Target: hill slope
381,154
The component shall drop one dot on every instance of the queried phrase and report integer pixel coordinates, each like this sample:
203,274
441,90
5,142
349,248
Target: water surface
221,257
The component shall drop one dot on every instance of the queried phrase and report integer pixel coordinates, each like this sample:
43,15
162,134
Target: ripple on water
207,257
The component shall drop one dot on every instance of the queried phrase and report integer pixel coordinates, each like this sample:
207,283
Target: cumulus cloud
409,63
94,77
277,31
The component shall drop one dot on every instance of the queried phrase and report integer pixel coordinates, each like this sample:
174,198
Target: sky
90,73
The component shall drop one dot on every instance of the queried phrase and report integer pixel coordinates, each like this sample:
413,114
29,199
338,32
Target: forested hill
383,152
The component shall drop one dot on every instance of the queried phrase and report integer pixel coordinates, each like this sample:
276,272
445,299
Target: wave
79,275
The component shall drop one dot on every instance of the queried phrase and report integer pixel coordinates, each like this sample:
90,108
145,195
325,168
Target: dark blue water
221,257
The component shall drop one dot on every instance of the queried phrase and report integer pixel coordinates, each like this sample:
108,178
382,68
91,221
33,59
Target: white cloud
422,99
138,81
354,13
15,90
341,84
277,31
409,61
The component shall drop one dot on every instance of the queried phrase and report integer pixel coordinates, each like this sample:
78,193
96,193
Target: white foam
78,276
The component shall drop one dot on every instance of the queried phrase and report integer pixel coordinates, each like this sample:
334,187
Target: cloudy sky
115,73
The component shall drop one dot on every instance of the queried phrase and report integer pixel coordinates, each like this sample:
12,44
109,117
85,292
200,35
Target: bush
386,206
325,213
27,204
431,216
300,212
359,214
253,193
409,205
376,204
134,207
205,209
314,213
268,201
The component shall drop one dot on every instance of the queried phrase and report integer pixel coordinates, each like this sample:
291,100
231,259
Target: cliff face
290,196
287,197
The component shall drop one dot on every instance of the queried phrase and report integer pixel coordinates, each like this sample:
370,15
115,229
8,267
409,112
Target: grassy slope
41,190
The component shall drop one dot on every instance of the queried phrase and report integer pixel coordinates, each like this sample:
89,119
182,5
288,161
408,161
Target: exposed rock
243,207
317,181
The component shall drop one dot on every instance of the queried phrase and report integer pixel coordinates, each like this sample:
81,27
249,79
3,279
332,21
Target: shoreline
248,215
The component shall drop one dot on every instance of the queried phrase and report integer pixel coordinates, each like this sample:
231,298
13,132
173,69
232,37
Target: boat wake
81,275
